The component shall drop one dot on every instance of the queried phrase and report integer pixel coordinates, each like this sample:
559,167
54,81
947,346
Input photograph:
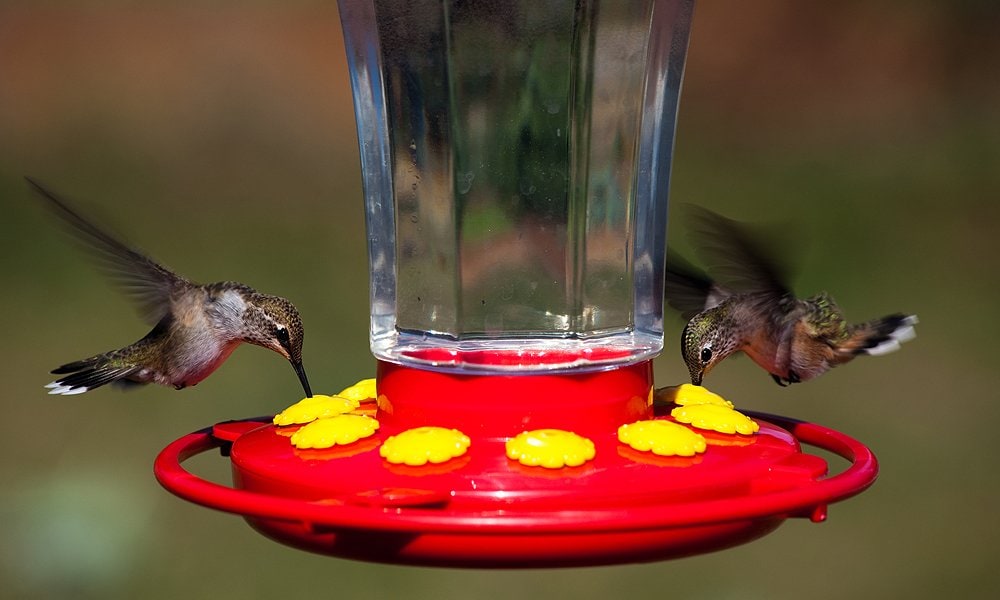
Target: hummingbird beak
696,375
301,372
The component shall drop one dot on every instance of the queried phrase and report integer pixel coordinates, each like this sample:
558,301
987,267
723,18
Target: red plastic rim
484,509
508,358
809,500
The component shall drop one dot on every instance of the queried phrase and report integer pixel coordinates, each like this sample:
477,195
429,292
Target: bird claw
793,377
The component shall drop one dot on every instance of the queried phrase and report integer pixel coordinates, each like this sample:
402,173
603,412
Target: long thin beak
301,372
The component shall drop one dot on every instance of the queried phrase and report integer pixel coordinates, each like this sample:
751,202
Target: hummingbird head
274,323
707,339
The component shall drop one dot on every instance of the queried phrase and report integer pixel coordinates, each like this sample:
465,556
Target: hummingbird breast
764,333
193,368
206,329
767,351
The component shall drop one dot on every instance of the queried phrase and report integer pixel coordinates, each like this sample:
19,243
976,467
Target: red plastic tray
550,519
485,510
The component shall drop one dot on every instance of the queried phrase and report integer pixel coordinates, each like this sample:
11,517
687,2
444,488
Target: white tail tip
56,388
904,333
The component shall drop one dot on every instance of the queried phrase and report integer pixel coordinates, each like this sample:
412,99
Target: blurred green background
221,140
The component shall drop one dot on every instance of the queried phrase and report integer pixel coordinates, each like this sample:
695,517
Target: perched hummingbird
196,326
749,308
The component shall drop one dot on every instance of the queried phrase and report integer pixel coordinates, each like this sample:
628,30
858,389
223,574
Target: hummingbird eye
706,354
282,334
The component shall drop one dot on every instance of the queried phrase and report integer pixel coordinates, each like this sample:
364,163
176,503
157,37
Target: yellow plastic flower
340,430
688,395
317,407
664,438
361,390
422,445
715,418
550,448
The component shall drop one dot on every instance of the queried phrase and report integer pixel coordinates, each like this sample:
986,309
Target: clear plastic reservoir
516,163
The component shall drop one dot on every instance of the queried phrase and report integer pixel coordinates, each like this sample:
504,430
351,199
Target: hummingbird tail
85,375
882,336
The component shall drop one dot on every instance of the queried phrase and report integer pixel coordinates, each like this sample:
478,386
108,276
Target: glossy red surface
509,358
482,509
593,402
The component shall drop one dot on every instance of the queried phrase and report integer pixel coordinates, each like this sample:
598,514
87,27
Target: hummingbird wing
688,289
149,284
738,257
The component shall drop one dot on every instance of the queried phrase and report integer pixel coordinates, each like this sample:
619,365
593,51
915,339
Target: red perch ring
486,510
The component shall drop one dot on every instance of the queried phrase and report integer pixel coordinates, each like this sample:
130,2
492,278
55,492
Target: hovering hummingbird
196,327
749,308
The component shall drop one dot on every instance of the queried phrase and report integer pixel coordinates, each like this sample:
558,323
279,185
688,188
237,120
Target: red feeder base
485,510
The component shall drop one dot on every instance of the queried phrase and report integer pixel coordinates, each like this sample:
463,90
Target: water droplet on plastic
465,182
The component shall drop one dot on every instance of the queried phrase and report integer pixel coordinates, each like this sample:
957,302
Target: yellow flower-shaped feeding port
422,445
690,395
316,407
360,391
715,418
334,431
550,448
663,438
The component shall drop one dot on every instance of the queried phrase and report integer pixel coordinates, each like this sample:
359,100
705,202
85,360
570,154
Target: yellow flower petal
423,445
688,395
317,407
361,390
340,430
662,437
550,448
715,418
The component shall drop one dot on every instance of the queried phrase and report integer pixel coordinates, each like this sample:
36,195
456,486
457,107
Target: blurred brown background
221,140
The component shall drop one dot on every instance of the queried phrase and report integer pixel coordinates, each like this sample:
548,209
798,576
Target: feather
736,256
149,284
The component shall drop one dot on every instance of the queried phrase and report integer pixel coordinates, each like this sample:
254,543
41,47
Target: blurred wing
736,256
147,283
688,289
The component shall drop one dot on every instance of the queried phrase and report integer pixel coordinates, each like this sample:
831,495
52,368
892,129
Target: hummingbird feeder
516,160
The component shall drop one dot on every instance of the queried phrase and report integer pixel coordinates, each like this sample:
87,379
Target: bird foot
793,377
